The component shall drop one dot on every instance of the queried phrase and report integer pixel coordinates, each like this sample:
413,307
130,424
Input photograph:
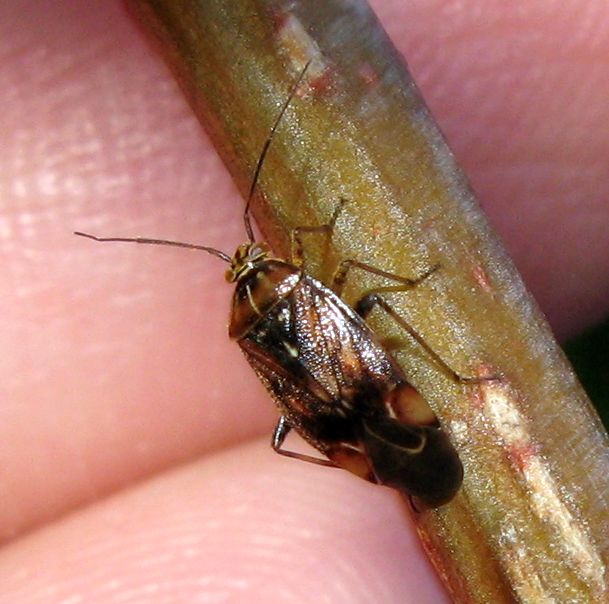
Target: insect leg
340,276
367,302
364,307
282,429
296,245
352,457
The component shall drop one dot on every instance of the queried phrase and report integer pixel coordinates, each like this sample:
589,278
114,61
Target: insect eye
259,249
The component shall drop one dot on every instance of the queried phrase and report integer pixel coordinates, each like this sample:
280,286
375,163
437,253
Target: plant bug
327,371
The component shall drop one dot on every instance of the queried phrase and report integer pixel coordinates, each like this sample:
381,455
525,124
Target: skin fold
134,439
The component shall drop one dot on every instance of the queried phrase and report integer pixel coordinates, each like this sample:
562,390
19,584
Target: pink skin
116,366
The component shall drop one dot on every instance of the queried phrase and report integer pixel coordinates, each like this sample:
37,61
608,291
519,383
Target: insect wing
321,363
298,400
338,349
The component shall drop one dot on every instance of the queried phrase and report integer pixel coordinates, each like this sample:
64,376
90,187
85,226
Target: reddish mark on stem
481,277
322,83
520,455
477,398
368,75
279,19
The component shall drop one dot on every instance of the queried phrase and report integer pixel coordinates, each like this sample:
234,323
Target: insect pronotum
327,371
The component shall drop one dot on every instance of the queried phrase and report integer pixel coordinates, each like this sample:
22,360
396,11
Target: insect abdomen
418,460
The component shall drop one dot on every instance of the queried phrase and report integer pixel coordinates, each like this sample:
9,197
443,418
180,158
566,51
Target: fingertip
242,525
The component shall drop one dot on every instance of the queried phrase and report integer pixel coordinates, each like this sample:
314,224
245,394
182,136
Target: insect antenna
246,215
267,143
191,246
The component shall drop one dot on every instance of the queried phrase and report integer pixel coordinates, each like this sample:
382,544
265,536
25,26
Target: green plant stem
531,522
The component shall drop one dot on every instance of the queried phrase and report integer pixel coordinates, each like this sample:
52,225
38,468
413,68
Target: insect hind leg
348,456
282,429
366,304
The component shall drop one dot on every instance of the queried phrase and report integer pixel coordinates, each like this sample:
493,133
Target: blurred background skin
134,458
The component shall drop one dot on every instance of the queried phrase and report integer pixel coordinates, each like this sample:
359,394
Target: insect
330,376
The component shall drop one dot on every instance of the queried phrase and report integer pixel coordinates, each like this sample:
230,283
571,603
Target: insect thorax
259,288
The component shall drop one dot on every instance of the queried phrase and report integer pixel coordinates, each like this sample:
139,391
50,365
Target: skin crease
109,351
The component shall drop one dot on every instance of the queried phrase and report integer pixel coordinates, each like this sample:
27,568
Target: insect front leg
405,283
296,245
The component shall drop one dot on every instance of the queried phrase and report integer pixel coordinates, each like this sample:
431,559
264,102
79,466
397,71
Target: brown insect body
330,376
334,382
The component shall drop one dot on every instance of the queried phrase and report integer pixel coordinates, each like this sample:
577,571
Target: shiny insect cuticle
329,374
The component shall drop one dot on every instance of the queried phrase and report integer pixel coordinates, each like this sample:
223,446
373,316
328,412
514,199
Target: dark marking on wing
307,407
321,363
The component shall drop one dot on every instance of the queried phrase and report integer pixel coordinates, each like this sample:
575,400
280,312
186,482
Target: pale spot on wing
290,349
